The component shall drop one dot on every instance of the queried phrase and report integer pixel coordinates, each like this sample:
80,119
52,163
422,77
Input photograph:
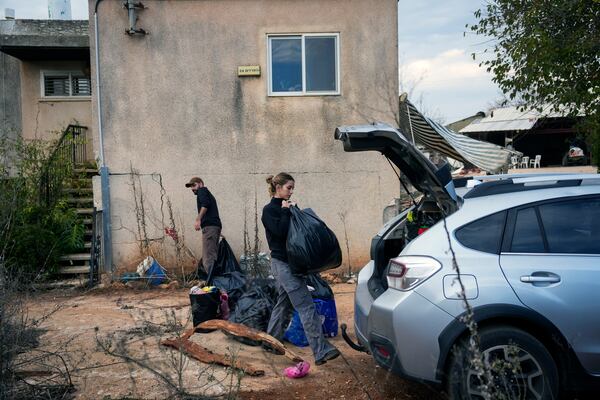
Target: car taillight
407,272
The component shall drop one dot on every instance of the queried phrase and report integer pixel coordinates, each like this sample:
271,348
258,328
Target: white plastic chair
535,163
524,162
514,162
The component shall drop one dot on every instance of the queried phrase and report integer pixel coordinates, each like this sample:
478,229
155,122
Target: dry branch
244,331
198,352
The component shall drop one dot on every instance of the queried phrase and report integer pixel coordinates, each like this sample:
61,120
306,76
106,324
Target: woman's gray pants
293,294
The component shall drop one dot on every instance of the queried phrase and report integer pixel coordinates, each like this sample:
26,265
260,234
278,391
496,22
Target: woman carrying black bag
293,293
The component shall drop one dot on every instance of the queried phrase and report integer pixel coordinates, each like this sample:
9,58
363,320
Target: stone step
80,200
84,211
85,171
78,183
76,257
86,190
76,269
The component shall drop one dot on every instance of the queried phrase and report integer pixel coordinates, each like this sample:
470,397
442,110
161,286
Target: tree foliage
545,52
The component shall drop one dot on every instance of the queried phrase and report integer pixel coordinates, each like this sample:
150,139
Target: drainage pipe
104,175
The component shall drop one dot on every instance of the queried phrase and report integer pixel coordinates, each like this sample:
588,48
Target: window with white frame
304,64
61,84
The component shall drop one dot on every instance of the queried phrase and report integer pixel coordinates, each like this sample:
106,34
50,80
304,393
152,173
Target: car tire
534,376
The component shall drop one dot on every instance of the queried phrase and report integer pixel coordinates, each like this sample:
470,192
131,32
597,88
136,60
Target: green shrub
33,235
39,237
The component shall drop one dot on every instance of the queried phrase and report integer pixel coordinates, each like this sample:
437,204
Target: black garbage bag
311,246
231,282
255,306
205,307
322,290
226,261
200,272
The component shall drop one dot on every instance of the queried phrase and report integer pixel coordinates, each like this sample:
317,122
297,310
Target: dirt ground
131,323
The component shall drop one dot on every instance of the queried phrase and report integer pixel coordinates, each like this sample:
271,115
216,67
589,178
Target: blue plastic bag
326,310
155,274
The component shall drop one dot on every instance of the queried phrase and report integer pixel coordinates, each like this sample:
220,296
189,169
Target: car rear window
572,227
485,234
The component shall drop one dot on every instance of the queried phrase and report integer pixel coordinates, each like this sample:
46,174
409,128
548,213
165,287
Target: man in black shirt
208,220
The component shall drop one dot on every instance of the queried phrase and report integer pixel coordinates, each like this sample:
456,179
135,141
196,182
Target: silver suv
528,250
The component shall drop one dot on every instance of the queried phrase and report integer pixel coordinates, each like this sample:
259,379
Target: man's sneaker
330,355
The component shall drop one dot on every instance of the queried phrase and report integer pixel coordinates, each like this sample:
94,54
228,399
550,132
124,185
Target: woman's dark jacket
276,221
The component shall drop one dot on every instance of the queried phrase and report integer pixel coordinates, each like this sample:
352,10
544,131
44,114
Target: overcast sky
433,48
433,51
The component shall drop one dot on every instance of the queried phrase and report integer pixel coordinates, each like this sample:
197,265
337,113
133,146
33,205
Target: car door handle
540,279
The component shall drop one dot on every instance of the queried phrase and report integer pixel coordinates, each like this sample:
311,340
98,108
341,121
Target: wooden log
198,352
188,333
244,331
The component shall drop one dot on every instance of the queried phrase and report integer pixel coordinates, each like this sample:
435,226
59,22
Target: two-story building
45,77
233,91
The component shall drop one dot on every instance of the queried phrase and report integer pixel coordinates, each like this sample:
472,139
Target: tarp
423,130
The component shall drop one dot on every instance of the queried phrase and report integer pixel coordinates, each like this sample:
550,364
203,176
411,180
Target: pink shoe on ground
300,370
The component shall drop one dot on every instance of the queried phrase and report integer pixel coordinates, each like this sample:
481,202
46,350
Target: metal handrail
70,150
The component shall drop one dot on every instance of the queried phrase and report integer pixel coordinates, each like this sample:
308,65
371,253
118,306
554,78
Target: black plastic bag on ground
233,283
200,273
226,261
205,307
255,306
311,246
322,290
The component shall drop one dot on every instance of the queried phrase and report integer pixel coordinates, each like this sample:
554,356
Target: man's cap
193,181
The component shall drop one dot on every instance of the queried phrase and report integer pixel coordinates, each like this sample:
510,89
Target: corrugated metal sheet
487,156
509,119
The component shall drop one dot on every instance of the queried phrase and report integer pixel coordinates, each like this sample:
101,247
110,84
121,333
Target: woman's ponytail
271,185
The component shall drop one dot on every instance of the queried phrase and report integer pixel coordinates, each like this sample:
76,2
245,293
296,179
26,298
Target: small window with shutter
65,84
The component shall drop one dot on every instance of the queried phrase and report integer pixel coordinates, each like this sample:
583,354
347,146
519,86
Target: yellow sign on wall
249,70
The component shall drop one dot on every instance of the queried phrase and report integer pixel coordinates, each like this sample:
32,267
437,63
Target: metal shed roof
509,119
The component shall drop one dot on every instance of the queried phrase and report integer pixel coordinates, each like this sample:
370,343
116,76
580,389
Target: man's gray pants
210,246
293,294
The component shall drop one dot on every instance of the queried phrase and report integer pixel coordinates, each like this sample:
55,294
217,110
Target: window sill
302,94
69,99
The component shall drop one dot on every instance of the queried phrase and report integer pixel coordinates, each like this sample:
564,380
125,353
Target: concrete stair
78,195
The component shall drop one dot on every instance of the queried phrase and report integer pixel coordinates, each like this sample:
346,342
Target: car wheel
519,366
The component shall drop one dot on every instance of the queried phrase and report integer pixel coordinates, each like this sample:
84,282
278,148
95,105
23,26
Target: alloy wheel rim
515,374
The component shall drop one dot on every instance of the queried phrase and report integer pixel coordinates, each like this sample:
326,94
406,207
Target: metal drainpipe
104,175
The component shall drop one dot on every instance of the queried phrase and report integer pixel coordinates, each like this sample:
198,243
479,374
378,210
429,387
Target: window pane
573,226
527,237
56,85
81,86
484,234
286,64
320,64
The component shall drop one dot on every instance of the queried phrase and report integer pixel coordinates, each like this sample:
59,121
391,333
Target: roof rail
499,184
